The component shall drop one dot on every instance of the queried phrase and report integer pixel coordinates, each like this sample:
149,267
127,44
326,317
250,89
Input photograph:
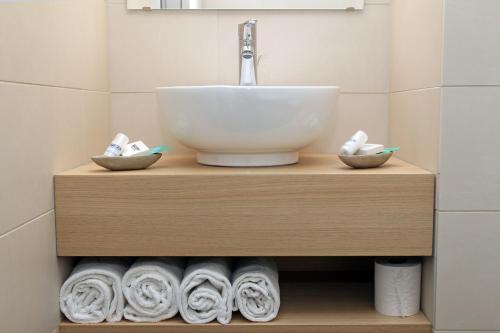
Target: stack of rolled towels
156,289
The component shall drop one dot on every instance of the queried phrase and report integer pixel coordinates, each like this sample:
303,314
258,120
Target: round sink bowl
246,125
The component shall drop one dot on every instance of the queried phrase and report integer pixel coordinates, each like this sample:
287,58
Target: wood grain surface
318,207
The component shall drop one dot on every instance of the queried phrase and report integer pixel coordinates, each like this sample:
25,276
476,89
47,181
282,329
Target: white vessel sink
247,125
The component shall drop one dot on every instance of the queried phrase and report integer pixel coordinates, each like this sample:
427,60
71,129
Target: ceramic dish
126,163
365,161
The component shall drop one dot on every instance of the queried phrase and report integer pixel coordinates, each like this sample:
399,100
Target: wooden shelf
318,207
306,307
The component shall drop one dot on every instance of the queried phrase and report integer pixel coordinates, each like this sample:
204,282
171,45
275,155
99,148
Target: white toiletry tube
134,148
397,287
117,145
354,143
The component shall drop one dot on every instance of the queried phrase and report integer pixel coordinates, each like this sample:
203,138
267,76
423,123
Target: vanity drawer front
366,214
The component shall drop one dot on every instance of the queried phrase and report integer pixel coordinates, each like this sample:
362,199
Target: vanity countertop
309,164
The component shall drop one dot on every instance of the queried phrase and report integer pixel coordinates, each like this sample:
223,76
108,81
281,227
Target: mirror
246,4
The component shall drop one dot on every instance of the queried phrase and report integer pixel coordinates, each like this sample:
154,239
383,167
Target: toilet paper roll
397,287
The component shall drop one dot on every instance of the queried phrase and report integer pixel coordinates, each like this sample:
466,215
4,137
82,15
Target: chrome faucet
248,53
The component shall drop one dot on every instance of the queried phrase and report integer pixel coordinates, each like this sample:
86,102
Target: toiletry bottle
354,143
135,148
117,145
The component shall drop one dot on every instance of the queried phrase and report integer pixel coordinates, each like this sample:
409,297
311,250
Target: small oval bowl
121,163
365,161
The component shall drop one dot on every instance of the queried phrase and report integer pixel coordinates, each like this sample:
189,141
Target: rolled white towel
256,289
206,292
151,288
93,291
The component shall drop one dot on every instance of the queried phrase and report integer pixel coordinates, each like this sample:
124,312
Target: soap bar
370,149
134,148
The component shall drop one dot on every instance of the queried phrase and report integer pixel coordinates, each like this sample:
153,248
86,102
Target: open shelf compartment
322,307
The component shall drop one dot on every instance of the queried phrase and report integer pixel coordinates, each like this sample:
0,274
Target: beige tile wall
416,67
417,43
54,103
468,273
57,43
49,130
470,117
349,49
471,48
415,98
444,105
30,284
415,126
467,289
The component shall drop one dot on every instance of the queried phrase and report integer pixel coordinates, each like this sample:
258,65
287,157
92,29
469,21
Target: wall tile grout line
471,86
468,211
347,92
446,86
414,90
15,229
52,86
465,331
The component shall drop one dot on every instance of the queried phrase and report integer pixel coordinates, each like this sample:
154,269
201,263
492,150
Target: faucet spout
247,73
248,46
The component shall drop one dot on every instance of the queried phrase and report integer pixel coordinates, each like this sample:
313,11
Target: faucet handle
249,29
252,21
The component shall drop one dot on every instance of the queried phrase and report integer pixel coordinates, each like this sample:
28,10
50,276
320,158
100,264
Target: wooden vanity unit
318,207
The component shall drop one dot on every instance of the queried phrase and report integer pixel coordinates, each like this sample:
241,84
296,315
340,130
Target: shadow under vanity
324,224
